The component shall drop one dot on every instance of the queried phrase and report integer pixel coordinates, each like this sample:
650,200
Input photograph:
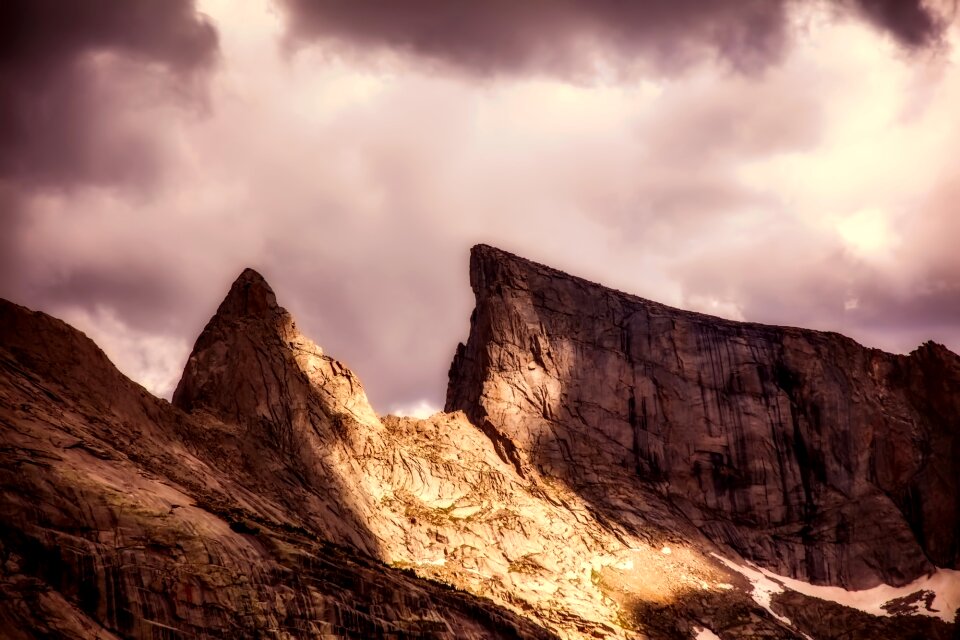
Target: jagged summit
491,266
251,354
287,407
798,448
226,352
250,296
249,274
615,464
224,357
124,517
492,269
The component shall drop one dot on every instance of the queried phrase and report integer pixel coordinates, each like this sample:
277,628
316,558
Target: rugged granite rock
121,517
809,454
270,500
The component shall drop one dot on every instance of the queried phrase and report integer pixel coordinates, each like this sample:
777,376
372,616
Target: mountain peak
592,383
248,317
249,296
484,254
624,463
251,364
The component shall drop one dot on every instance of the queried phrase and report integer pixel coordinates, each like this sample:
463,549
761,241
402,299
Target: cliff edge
809,454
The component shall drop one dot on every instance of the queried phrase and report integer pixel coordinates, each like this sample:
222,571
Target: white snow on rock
763,586
704,634
944,583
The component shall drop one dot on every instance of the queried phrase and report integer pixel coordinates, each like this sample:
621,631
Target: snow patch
437,562
704,634
763,586
943,583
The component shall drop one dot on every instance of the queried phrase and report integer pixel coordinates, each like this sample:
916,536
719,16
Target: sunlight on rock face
662,575
563,538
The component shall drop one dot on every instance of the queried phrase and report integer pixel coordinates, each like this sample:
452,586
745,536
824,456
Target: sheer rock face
269,500
804,451
123,517
292,412
434,495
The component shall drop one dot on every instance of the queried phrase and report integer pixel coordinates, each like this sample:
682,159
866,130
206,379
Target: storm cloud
59,96
85,88
772,161
586,38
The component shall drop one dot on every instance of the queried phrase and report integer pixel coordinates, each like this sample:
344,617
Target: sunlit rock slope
607,468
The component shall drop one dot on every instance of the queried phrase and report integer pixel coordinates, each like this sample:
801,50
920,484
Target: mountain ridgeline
811,455
605,467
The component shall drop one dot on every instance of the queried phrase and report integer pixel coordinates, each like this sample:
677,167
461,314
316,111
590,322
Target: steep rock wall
123,517
806,452
271,501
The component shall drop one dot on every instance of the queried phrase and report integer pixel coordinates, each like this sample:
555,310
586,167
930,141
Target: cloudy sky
770,160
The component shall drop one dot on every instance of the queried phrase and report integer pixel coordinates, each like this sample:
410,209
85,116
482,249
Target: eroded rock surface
123,517
809,454
270,500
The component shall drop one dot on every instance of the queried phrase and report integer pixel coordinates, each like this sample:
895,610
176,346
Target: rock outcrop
270,500
809,454
121,517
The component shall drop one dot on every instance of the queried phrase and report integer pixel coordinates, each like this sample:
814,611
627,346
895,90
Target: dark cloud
911,22
57,112
81,84
358,194
566,37
579,38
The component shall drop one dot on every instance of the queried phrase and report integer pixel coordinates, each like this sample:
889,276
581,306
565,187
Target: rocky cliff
809,454
605,479
123,517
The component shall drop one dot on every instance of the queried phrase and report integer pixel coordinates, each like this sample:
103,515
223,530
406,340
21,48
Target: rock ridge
808,453
270,500
122,516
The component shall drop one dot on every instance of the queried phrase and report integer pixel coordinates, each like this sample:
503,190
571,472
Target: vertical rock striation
606,441
292,413
806,452
121,517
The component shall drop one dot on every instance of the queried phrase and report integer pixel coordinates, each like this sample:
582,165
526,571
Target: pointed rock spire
248,331
251,366
296,410
250,295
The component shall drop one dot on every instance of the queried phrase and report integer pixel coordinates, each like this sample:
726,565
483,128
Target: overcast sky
770,160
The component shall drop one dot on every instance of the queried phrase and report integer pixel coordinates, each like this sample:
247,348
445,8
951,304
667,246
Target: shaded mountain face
604,479
121,516
809,454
